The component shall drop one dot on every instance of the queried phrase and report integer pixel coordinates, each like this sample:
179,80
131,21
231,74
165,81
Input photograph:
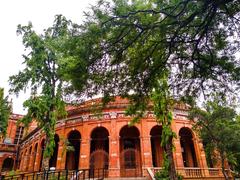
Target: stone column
84,154
177,154
31,156
145,146
24,162
61,156
200,155
114,151
28,165
114,157
34,162
146,152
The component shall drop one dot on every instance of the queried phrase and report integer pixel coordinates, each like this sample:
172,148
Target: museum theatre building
105,140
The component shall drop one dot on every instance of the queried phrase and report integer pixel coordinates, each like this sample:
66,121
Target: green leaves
187,38
5,109
219,129
43,73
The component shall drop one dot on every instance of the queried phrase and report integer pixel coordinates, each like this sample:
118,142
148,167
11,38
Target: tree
5,109
43,74
219,129
170,49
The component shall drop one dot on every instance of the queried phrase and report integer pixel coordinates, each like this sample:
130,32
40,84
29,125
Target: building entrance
130,155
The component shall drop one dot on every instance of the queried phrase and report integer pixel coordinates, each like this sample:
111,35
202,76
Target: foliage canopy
43,74
158,50
130,44
5,109
219,128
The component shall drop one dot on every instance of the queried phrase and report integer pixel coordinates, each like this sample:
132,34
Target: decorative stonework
180,117
121,115
151,115
71,122
113,115
106,116
94,117
180,112
85,117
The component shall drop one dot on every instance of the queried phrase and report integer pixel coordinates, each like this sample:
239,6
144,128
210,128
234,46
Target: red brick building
9,144
104,140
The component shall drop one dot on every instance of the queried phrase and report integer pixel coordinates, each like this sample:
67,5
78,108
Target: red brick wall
113,119
9,150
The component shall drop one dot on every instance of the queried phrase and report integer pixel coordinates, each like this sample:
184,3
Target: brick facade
9,144
104,140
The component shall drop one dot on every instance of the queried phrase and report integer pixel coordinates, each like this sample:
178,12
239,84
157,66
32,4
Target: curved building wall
106,137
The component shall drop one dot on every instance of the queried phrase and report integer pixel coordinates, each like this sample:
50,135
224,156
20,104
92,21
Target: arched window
72,157
53,159
130,152
42,147
157,150
188,150
7,164
99,149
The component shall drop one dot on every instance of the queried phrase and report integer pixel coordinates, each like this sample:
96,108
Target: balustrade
193,172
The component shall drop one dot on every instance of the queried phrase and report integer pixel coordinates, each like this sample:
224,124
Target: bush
163,175
11,173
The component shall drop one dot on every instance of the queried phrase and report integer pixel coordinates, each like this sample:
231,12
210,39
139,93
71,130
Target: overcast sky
41,13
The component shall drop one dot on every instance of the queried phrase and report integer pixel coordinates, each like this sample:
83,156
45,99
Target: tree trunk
223,167
45,162
169,151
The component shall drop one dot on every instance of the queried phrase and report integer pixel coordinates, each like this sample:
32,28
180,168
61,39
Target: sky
41,13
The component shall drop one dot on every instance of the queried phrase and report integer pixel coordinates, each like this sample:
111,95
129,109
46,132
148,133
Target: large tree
43,75
158,50
5,110
219,128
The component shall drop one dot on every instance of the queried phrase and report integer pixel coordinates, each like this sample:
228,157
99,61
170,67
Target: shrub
163,175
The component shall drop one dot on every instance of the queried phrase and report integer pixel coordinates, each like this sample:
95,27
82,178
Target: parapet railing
192,172
79,174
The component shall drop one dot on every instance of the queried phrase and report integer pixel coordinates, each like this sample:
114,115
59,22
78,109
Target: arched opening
35,155
7,164
99,149
130,153
188,151
42,147
157,150
53,159
72,157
